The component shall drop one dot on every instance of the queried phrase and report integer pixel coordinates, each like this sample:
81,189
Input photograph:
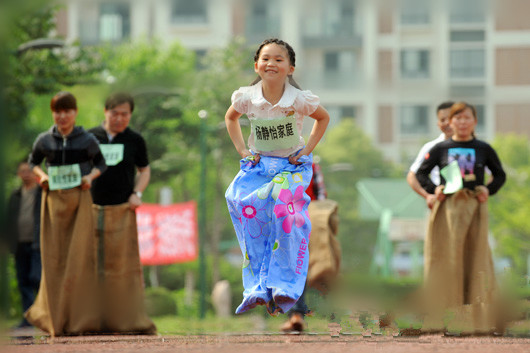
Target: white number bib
113,153
275,134
64,176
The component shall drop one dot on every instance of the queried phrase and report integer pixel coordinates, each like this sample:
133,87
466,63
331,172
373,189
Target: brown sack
120,271
66,303
324,248
460,285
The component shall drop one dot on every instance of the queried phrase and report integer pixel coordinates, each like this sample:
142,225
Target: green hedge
159,301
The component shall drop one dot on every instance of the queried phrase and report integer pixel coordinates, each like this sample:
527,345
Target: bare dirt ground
230,343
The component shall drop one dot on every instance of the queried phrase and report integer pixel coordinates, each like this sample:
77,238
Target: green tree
33,73
222,71
347,156
24,77
159,78
510,207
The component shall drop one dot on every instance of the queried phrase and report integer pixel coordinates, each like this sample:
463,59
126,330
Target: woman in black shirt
66,303
459,277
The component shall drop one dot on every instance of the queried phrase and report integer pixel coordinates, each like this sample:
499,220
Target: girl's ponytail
293,82
255,81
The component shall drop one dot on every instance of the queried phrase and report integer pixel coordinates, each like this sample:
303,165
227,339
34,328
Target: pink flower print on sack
294,204
254,217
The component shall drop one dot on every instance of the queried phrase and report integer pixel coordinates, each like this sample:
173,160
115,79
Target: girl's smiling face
273,63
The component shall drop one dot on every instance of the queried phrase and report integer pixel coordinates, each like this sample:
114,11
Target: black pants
300,306
28,267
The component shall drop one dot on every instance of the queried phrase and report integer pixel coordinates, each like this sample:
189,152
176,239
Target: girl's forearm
321,117
234,130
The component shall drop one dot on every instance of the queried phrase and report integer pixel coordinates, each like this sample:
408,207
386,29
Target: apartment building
197,24
385,63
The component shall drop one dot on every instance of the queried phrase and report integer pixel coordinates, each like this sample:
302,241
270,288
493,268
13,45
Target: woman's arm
43,177
98,163
319,128
86,181
423,172
499,176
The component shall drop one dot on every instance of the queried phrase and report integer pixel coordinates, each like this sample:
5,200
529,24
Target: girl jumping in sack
267,200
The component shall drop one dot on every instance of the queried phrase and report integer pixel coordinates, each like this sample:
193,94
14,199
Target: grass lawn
250,323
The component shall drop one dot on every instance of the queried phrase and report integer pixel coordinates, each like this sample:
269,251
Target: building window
469,11
414,63
468,36
343,61
263,20
338,18
467,63
189,12
331,61
414,119
348,112
415,12
114,21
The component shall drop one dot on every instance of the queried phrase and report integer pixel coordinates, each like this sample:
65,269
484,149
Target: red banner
167,234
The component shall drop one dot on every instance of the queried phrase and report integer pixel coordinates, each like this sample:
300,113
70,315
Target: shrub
159,301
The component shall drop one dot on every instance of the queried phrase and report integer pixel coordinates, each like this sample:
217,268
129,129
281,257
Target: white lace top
249,100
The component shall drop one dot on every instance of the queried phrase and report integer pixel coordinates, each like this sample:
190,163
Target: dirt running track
307,343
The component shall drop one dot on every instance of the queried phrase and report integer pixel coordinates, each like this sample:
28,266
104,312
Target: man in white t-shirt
442,112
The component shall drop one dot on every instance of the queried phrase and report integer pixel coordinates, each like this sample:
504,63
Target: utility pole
203,114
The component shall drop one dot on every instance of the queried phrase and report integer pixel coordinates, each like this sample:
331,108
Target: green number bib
64,176
113,153
275,134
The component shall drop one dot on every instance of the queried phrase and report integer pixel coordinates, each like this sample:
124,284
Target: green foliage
190,307
347,156
159,301
173,277
35,72
15,302
158,77
147,64
171,325
510,207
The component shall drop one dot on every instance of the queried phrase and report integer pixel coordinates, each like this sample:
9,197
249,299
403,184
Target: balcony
260,28
329,80
330,34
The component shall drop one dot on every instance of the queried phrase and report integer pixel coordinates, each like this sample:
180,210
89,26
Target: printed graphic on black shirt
466,161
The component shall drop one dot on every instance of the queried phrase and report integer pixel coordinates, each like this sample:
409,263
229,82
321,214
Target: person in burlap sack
460,289
267,200
66,303
117,194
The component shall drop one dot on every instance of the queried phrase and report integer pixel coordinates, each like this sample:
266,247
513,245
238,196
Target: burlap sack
120,271
460,286
324,248
66,303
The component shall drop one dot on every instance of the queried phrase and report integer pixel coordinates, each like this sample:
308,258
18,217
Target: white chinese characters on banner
167,234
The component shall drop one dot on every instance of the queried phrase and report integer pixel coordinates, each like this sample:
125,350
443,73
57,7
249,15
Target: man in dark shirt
117,194
125,153
24,231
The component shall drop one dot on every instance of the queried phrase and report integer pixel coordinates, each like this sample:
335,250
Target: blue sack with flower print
268,206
